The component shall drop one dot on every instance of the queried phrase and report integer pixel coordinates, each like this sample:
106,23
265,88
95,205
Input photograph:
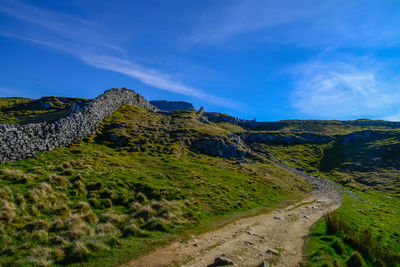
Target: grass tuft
76,251
355,260
7,211
107,228
131,229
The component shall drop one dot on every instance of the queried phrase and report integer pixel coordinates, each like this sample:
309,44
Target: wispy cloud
239,17
313,23
86,40
153,78
61,30
344,89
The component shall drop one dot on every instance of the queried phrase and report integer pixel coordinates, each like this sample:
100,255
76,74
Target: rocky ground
272,239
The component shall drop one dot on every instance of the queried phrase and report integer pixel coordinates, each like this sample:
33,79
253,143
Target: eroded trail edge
276,237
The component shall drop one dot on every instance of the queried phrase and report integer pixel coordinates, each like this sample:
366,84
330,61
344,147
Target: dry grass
145,212
90,217
20,200
114,217
6,193
107,228
364,241
83,207
58,180
56,225
7,211
16,175
41,256
36,225
142,198
77,251
131,229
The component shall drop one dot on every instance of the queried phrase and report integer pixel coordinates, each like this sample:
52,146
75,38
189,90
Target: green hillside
17,110
142,181
367,162
134,185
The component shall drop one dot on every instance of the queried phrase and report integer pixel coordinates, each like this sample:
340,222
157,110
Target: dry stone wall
24,141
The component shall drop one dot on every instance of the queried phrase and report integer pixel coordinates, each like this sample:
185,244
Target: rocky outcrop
231,147
293,138
23,141
172,105
356,137
221,117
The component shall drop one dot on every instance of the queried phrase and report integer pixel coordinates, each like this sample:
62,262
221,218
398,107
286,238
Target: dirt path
276,237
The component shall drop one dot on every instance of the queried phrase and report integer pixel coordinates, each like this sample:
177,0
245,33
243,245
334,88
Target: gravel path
275,238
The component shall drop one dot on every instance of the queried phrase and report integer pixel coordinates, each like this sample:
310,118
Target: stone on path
222,260
273,251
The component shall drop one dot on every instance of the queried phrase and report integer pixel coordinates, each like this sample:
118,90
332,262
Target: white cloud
86,40
153,78
339,90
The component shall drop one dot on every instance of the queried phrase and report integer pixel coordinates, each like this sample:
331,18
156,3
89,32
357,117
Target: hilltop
135,177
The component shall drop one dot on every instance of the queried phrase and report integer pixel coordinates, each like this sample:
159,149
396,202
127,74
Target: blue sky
253,58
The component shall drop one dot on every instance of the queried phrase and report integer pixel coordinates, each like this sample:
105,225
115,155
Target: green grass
136,185
16,110
368,167
357,226
231,127
128,189
330,127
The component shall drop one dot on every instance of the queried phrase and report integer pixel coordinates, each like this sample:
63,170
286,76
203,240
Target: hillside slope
143,178
146,177
364,160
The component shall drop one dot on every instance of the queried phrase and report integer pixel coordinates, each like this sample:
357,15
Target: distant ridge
172,105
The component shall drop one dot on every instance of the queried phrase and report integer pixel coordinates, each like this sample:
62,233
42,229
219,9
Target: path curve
251,241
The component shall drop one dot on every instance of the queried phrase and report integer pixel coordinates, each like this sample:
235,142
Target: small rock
277,218
264,264
222,260
248,243
251,233
196,245
306,216
240,258
273,251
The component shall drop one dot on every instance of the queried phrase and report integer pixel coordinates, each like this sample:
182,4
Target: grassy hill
326,126
134,185
365,160
24,110
141,181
